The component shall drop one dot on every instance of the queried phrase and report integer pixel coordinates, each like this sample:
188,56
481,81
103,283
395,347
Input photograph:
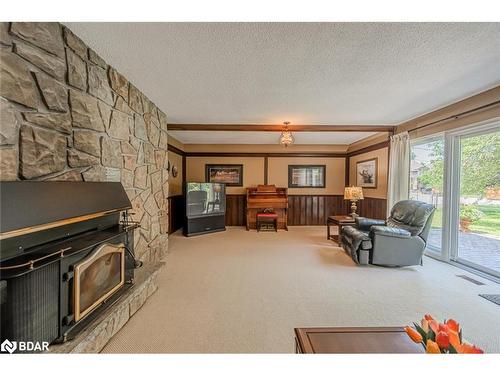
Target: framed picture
229,174
366,173
306,176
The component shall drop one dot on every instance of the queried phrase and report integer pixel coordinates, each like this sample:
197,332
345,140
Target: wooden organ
268,198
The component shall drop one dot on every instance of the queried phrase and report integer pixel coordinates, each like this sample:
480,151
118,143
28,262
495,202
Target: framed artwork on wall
366,173
229,174
306,176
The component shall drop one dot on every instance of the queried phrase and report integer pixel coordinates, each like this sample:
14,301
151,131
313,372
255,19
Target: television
205,199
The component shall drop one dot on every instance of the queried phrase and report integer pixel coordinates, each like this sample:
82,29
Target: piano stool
264,219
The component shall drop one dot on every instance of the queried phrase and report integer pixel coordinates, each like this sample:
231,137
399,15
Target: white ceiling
252,137
306,73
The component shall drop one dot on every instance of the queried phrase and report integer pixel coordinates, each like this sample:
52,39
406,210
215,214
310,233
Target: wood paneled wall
314,209
308,209
236,209
375,208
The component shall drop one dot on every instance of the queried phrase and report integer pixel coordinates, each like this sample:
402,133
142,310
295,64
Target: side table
354,340
339,221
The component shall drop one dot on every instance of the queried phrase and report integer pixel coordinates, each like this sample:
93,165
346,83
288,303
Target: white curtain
399,169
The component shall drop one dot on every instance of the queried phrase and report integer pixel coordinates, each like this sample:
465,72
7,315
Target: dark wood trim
374,147
279,128
183,172
347,169
266,168
175,150
266,154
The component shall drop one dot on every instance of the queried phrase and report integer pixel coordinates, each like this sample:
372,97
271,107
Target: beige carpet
244,292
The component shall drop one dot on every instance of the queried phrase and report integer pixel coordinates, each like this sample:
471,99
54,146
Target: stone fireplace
67,115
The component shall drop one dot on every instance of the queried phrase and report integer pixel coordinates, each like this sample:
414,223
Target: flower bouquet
439,338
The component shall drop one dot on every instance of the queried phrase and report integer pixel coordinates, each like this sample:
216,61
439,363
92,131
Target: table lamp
353,193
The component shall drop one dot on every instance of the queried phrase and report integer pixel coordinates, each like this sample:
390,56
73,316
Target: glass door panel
478,232
426,183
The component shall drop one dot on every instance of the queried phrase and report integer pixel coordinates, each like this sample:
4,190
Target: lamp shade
353,193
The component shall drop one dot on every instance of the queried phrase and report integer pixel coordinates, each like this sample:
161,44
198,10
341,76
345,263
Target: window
427,182
459,173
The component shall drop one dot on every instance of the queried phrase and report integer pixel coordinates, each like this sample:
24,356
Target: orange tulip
432,348
453,325
414,335
425,325
469,349
434,326
443,328
443,340
454,338
428,317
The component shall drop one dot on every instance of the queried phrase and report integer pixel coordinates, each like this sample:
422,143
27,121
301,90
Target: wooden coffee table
339,221
354,340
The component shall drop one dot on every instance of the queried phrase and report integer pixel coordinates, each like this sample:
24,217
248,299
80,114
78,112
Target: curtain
399,169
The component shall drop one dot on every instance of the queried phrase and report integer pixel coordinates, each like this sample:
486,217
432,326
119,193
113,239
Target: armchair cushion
378,230
410,215
356,238
363,223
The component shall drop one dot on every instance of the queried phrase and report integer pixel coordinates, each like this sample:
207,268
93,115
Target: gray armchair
399,241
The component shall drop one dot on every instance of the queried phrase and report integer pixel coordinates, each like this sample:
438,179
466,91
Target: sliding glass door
476,209
459,173
427,181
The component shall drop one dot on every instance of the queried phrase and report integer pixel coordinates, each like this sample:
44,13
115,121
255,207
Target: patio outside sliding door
427,182
475,199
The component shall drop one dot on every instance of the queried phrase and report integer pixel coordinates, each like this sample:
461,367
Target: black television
205,207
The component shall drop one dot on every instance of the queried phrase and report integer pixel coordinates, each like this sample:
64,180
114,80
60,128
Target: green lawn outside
489,223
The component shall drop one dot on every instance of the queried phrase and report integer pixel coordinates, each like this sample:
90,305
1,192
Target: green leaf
421,331
452,350
431,335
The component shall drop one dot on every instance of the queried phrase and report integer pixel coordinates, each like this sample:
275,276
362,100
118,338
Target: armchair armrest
389,231
363,223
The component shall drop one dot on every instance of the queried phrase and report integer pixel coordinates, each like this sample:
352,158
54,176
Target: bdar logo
8,346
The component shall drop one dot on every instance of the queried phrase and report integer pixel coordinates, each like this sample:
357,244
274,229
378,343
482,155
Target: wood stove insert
66,251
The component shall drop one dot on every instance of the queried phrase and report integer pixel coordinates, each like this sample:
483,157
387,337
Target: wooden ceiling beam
279,128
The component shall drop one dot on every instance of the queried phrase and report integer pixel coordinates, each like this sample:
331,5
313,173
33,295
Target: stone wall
67,115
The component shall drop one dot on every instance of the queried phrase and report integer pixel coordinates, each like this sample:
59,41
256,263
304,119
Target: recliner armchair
399,241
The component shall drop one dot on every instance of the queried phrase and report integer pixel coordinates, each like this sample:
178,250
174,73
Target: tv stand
205,224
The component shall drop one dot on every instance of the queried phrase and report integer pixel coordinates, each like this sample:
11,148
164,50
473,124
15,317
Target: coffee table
354,340
339,221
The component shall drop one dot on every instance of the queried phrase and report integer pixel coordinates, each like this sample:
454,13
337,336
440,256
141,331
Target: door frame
437,254
451,192
451,205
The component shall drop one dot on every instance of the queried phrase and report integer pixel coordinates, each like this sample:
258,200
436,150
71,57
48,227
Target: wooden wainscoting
236,210
176,209
375,208
314,209
308,209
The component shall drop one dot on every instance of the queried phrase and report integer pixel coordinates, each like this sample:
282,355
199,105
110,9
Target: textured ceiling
252,137
306,73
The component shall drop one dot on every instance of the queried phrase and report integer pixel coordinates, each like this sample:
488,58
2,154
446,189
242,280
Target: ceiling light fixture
286,137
